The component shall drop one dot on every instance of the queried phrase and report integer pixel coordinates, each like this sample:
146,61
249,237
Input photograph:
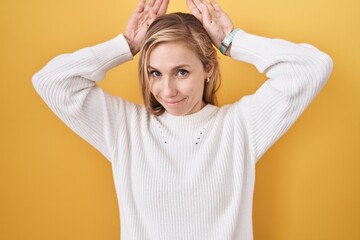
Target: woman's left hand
216,22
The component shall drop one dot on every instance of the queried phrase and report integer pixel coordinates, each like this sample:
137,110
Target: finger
147,9
156,5
194,10
140,6
198,3
163,7
151,3
192,7
152,16
215,5
160,7
205,14
146,14
210,9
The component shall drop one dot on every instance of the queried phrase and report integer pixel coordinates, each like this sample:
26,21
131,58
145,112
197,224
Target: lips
173,103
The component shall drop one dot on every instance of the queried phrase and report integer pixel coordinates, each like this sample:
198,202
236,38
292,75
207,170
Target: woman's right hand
145,13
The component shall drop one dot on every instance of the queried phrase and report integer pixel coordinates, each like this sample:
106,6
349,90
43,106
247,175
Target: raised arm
68,86
296,73
68,82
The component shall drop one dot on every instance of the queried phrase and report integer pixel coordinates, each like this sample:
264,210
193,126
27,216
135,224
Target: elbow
43,82
324,66
42,85
320,68
37,82
320,64
40,80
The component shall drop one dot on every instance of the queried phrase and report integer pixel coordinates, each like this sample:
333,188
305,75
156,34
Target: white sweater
185,177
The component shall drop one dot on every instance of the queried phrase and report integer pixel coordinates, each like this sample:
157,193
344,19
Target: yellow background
53,185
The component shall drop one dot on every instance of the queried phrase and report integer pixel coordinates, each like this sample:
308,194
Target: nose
169,88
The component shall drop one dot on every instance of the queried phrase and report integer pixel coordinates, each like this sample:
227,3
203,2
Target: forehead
170,54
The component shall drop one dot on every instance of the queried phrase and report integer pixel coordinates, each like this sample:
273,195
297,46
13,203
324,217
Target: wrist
132,47
225,45
227,53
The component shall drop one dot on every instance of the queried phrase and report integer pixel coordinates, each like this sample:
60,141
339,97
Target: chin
183,110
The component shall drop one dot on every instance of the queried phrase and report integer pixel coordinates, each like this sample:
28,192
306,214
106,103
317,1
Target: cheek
196,87
153,87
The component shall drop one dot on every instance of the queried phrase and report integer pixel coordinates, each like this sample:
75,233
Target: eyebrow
174,68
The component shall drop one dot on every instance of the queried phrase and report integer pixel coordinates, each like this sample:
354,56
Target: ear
209,70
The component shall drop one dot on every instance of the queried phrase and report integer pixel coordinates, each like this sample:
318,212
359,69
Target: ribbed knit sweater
185,177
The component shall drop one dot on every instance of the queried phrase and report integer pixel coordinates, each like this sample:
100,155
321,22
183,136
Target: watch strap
225,44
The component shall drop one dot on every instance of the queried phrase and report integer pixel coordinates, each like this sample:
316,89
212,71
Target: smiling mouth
173,103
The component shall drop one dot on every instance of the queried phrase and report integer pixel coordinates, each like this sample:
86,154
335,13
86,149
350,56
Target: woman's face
177,78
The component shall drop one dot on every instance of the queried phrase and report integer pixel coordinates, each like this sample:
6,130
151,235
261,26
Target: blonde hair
178,27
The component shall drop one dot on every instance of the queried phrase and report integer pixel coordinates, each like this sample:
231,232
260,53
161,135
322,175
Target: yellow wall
53,185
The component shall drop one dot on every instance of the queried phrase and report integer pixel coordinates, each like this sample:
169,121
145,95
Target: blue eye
183,72
155,74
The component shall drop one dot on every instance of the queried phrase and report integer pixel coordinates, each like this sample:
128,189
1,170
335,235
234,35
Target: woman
183,168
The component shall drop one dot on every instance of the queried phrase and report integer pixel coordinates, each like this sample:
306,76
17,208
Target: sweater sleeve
295,72
68,85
